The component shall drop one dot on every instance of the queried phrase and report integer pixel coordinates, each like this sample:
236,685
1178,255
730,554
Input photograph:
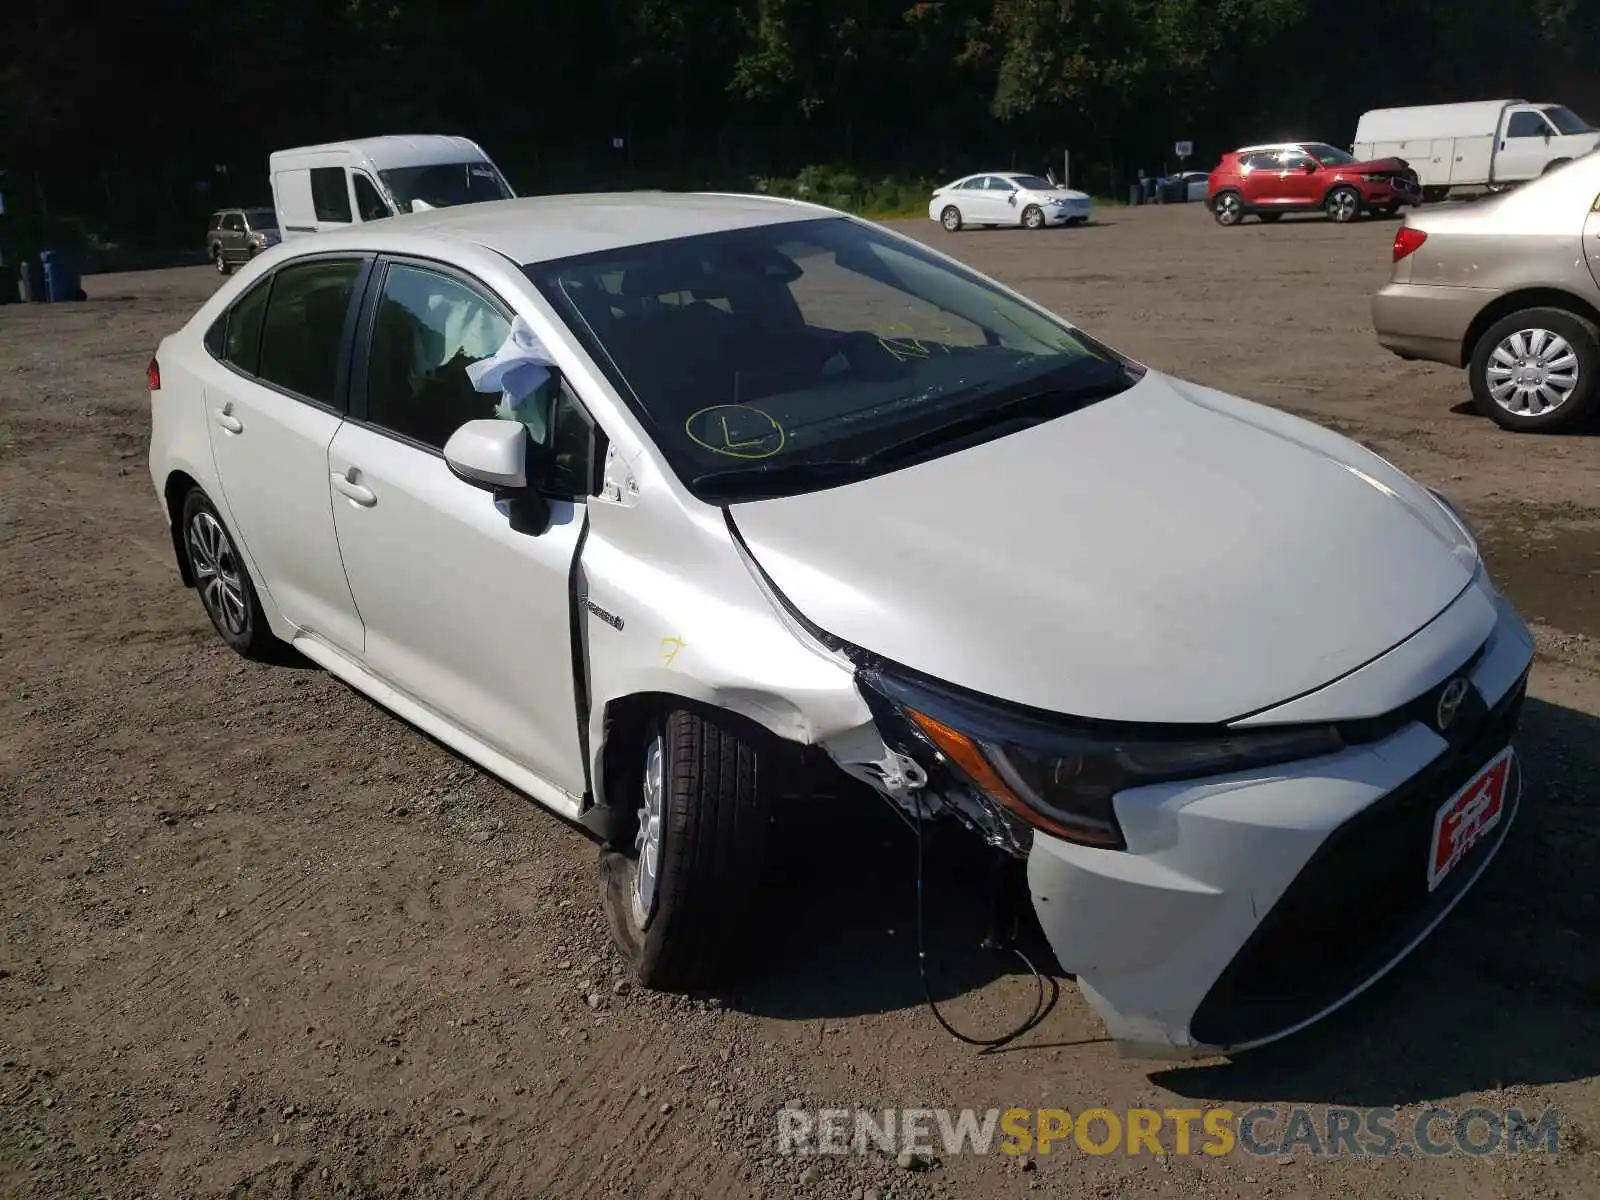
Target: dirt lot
263,939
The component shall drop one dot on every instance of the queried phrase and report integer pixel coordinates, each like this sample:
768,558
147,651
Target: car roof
533,229
1282,146
392,150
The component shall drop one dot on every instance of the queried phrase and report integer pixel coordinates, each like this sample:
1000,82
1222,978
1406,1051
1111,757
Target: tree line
97,98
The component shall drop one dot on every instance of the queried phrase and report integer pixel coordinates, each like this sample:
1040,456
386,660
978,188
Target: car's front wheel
677,899
1343,205
950,218
1227,208
1033,217
218,261
221,578
1537,370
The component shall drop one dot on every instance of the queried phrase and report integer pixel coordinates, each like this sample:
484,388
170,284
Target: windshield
445,184
1033,183
1328,155
777,359
1567,121
261,218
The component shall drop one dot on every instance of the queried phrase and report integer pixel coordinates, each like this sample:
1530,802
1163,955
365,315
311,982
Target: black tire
1343,205
223,581
1269,218
1584,399
218,261
1033,217
714,816
1227,208
950,218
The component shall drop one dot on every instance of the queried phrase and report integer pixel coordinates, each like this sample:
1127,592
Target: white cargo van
1475,147
342,183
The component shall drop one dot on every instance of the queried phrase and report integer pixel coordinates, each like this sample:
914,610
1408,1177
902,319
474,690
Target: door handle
227,420
347,486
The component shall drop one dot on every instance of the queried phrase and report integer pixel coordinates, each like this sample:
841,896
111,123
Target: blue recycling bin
61,278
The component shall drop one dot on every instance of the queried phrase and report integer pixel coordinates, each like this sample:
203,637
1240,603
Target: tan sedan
1509,288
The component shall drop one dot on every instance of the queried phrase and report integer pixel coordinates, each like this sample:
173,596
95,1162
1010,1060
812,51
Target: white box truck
1479,146
344,183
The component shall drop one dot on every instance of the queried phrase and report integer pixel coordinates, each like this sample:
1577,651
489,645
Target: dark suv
236,235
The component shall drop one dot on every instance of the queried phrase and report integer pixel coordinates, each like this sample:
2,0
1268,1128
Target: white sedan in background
1006,198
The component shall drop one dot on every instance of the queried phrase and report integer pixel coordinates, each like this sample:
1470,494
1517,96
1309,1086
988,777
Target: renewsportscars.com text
1333,1132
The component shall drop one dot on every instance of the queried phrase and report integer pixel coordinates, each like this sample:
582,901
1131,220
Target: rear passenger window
235,336
304,327
242,346
329,194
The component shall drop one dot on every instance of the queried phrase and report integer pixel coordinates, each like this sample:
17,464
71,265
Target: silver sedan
1507,287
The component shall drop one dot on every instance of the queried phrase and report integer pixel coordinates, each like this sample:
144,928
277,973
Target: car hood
1172,554
1377,166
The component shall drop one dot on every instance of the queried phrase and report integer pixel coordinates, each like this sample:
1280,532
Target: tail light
1406,241
152,375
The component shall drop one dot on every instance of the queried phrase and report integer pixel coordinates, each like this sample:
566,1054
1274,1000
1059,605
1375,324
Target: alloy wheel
1229,209
217,573
647,842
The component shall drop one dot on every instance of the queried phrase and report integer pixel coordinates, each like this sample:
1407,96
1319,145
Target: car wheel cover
1532,372
1033,218
1342,204
217,574
647,842
1228,207
951,218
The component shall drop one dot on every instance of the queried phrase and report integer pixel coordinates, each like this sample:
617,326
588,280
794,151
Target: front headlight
1062,778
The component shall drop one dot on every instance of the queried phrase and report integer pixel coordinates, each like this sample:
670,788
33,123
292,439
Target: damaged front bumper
1239,908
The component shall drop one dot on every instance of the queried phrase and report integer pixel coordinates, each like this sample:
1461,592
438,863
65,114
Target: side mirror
489,453
492,454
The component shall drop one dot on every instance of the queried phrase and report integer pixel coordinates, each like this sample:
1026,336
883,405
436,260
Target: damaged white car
640,500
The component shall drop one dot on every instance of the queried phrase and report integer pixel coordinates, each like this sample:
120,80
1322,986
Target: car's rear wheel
1537,370
1033,217
950,218
218,261
679,898
1227,208
221,578
1343,205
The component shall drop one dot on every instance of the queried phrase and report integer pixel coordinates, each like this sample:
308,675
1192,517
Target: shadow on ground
840,901
1506,991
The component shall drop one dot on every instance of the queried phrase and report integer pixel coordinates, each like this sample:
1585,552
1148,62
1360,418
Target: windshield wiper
757,480
986,420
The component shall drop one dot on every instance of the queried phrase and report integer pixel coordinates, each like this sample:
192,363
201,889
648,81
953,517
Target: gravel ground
263,939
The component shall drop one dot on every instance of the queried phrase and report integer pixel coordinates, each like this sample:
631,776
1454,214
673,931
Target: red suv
1303,177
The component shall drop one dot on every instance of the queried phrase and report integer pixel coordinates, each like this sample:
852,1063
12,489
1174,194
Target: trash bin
61,278
1133,194
30,285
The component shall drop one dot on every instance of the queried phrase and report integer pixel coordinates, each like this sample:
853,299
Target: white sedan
643,502
1006,198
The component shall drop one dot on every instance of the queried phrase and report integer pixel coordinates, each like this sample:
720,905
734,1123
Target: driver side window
1527,124
428,329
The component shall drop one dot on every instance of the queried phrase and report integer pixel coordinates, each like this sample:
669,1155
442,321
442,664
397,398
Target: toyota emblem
1450,701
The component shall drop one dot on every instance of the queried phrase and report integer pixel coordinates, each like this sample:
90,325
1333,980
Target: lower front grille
1360,901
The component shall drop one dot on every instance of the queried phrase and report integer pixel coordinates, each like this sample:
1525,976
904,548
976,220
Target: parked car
236,235
1196,184
1270,180
344,183
660,506
1509,288
1484,144
1007,198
